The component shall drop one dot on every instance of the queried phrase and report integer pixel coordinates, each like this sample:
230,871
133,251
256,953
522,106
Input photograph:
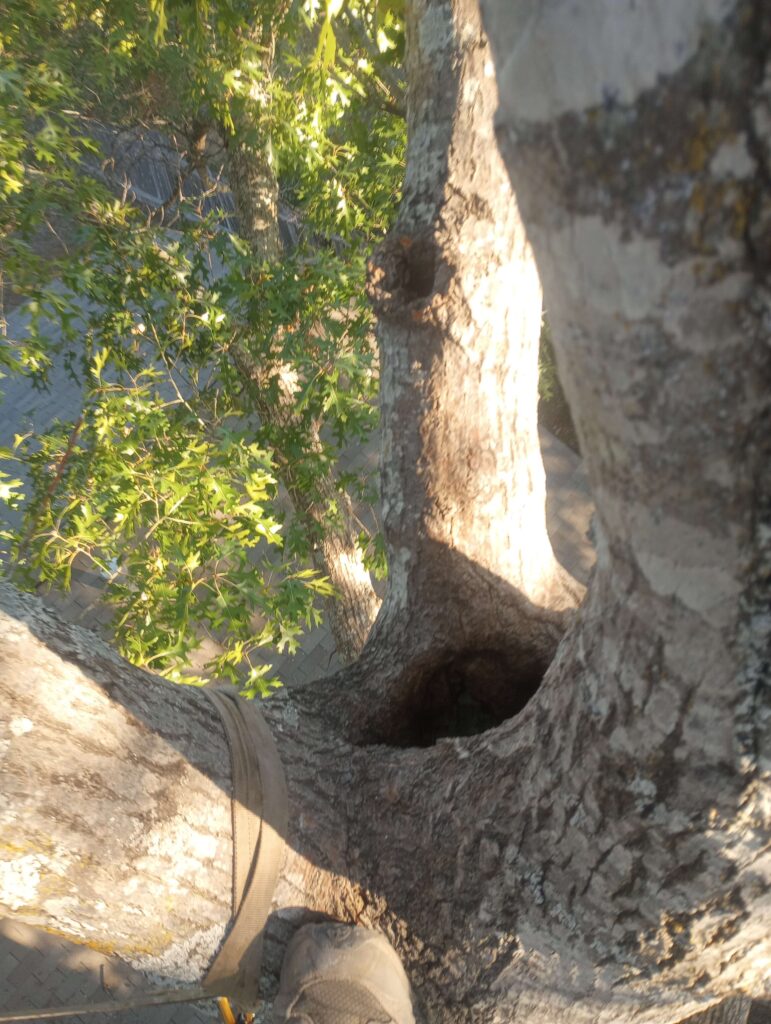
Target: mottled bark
116,812
602,856
331,518
254,186
115,816
476,601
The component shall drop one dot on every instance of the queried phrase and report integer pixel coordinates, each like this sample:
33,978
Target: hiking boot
340,974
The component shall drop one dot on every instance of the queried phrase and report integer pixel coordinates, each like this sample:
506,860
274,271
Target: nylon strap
260,813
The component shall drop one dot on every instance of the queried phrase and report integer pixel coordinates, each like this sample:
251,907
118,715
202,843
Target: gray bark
476,601
254,186
116,827
116,815
602,855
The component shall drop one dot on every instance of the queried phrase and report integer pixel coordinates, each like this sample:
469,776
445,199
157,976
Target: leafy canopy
168,482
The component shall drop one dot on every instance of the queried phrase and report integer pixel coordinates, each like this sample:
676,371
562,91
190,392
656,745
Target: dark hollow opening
419,269
464,694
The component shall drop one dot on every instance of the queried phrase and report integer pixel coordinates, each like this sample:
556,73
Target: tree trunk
116,820
330,519
476,601
116,799
335,551
254,186
603,854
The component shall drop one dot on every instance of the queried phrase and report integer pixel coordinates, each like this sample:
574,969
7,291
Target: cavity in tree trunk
602,855
476,601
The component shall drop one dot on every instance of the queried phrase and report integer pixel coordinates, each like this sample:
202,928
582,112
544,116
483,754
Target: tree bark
116,820
116,826
612,837
254,186
603,854
476,601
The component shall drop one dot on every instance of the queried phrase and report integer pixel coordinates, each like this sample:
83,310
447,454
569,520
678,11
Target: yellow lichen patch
108,949
706,136
53,885
41,845
17,848
741,213
158,943
164,939
698,154
698,201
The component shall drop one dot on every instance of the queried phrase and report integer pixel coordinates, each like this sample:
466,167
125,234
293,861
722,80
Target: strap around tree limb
260,812
259,825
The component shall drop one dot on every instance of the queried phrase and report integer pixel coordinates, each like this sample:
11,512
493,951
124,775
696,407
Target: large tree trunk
642,169
602,855
115,819
116,813
476,601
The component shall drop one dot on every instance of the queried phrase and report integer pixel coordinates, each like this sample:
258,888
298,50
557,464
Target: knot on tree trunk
407,277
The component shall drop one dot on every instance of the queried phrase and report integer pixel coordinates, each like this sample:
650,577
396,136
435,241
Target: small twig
387,79
50,490
170,371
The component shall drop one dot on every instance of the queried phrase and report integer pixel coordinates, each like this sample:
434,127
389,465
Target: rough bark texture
337,553
115,817
254,186
497,889
605,854
602,856
116,814
476,601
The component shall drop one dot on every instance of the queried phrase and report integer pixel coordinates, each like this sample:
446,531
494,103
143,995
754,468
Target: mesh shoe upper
338,974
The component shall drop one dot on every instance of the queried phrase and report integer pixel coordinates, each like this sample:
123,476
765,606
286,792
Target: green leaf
326,48
10,489
158,8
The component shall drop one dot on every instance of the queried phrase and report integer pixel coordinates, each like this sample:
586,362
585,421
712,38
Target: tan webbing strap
259,824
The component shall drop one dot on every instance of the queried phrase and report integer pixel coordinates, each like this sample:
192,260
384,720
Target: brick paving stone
50,964
8,964
32,993
25,969
89,959
74,983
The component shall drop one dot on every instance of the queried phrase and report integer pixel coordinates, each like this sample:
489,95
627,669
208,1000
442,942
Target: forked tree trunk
603,855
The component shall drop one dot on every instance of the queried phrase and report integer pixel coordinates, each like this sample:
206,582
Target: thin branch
389,77
51,489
